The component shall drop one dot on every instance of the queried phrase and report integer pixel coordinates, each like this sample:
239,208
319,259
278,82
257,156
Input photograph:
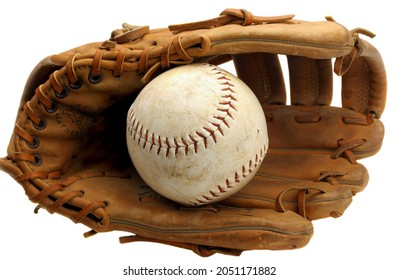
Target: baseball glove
68,148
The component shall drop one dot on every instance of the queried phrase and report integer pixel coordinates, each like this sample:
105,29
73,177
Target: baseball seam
230,183
172,145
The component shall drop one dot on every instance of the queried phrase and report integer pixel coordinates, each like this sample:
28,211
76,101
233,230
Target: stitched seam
231,182
218,123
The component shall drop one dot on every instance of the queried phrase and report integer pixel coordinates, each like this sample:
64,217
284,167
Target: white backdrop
361,243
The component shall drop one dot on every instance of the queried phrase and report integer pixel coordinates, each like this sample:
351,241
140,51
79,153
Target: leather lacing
151,58
49,194
154,57
345,149
301,199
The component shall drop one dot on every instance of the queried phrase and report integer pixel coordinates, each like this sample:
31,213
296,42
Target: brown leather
68,148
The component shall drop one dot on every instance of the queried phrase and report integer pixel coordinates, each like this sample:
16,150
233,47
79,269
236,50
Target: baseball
196,134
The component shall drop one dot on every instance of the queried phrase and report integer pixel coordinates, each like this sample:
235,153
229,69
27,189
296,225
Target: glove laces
57,197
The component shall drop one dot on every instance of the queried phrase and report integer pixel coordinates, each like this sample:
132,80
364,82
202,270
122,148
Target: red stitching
226,105
245,171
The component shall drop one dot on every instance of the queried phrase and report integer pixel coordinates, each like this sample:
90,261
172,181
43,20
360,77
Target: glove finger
263,74
337,131
292,166
364,83
311,81
312,185
312,200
